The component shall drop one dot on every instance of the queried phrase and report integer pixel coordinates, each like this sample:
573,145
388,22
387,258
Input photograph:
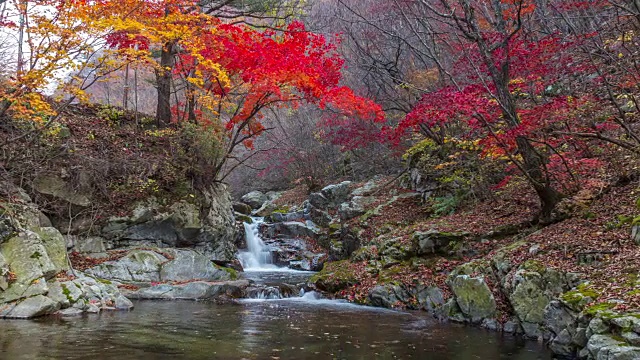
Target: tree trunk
163,79
533,166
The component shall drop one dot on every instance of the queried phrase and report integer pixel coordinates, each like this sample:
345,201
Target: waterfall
258,255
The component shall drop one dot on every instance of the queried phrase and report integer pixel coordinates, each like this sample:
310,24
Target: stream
303,326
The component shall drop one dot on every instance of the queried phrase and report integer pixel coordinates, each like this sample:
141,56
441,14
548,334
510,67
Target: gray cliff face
205,223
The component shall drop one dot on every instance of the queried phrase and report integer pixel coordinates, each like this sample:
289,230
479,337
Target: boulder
319,201
396,249
89,245
57,187
197,290
30,264
388,296
566,337
531,290
368,188
334,277
473,297
430,298
242,208
137,265
55,246
635,234
255,199
290,229
319,217
30,308
266,209
605,347
153,232
434,241
355,207
7,228
190,265
336,193
65,293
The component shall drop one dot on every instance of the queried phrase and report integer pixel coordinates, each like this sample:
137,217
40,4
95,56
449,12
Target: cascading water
270,282
258,255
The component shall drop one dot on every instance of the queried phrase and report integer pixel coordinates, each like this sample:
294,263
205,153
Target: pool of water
299,328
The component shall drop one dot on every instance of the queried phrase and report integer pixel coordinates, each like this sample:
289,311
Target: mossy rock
474,297
335,276
244,218
578,298
534,265
56,247
233,274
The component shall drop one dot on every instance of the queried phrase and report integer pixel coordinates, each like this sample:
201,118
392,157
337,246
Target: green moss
67,293
634,292
244,218
533,265
386,276
36,255
233,274
583,294
334,228
604,309
282,210
104,281
334,276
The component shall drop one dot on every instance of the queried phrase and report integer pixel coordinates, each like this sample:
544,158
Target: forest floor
594,241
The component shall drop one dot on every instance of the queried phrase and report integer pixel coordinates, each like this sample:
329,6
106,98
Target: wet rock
255,199
285,217
430,298
69,312
241,208
473,297
30,308
512,326
310,262
566,337
388,296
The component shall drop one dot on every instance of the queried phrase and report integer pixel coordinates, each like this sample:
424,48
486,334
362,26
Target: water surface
302,328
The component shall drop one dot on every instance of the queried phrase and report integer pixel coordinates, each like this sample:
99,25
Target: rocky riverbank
490,272
370,243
